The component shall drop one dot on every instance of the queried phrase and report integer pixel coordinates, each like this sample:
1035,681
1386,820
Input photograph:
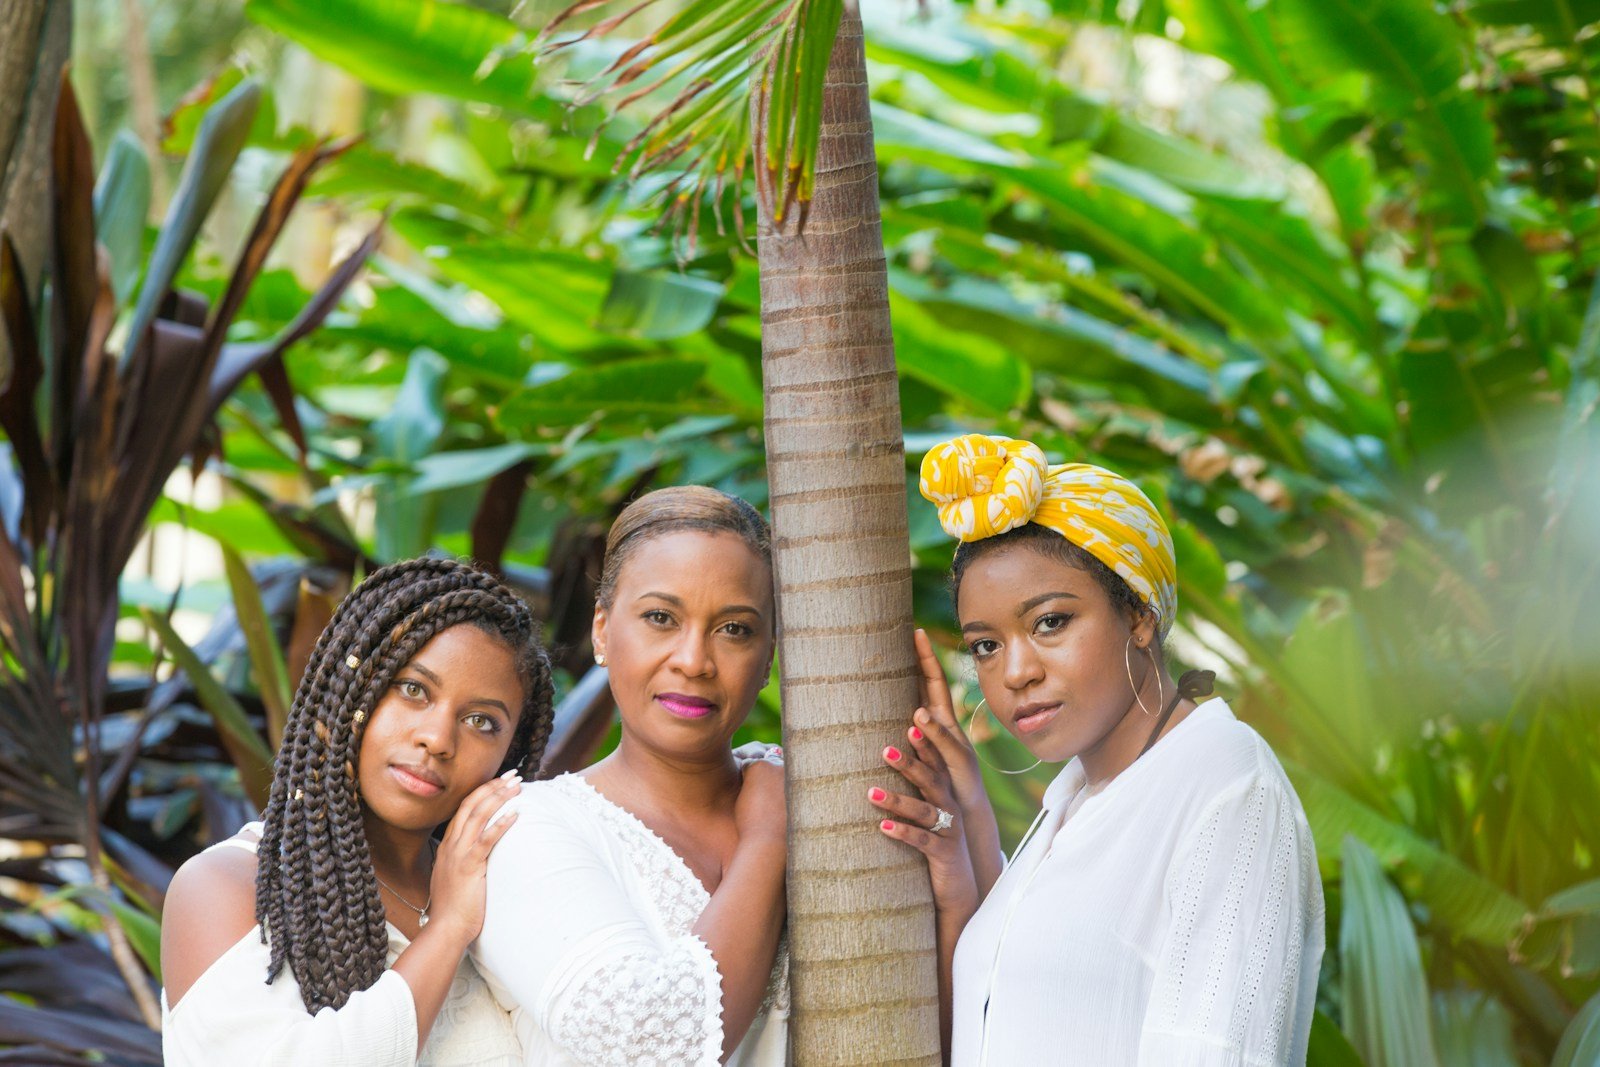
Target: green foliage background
1319,275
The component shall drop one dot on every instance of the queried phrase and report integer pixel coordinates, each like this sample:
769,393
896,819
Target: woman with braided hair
335,930
1164,909
636,908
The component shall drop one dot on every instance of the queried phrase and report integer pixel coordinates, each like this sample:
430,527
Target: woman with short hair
636,908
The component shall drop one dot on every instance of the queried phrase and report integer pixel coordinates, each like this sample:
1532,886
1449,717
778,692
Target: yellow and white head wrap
987,485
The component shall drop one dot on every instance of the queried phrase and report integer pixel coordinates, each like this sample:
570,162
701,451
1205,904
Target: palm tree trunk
865,989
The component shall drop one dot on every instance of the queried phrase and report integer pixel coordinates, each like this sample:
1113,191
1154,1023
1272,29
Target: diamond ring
944,822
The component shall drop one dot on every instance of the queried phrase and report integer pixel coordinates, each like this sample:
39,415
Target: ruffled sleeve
566,942
1246,905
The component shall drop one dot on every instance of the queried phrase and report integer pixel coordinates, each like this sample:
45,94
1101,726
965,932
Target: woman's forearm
429,965
741,927
950,920
983,845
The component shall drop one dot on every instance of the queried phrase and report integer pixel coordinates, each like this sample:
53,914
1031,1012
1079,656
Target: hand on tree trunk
938,739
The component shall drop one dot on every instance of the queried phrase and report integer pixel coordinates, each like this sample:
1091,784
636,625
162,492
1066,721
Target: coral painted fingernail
875,794
887,824
891,754
916,734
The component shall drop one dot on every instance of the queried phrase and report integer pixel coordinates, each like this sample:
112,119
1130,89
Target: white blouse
1172,919
232,1016
588,941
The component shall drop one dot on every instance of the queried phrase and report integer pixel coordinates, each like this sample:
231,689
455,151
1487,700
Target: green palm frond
697,74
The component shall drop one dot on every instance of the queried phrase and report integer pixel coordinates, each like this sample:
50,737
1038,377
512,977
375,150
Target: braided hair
316,891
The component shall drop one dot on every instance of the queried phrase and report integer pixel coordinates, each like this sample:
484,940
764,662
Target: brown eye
487,724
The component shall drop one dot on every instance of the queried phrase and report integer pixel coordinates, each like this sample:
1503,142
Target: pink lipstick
685,706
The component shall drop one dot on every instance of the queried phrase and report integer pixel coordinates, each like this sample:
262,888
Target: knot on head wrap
985,486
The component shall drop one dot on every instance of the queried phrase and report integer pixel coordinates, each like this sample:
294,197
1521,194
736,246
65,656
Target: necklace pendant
422,919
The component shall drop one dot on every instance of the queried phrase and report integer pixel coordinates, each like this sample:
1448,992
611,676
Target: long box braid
316,892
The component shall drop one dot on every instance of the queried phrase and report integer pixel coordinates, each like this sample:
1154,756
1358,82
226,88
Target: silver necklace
422,912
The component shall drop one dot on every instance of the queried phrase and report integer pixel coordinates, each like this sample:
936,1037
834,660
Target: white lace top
588,941
1172,919
232,1016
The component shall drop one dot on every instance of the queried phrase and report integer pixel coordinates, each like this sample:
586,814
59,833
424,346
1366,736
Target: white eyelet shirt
589,942
1174,918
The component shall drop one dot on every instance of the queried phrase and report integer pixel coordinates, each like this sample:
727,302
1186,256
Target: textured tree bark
35,41
865,988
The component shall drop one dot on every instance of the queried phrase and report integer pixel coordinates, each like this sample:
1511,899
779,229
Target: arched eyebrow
1033,602
1022,610
436,680
677,602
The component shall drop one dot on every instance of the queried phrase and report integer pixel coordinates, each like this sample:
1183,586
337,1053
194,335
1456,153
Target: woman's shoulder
1223,757
561,807
209,908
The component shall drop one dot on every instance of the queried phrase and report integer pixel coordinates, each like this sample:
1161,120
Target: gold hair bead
360,717
299,795
352,661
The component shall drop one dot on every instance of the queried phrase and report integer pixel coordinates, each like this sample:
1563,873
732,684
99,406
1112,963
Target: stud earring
599,659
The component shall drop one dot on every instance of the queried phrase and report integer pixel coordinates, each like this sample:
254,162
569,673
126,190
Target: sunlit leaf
659,305
410,46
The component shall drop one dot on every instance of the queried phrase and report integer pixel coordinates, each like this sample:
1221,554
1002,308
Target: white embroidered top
588,942
232,1016
1172,919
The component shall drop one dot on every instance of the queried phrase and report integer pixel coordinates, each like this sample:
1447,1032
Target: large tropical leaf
409,46
1416,56
1460,900
1580,1045
1384,993
656,389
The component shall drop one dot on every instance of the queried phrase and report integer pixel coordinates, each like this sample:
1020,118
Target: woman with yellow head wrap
1164,908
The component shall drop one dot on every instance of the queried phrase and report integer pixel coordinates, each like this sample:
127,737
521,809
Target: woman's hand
754,751
458,888
761,812
938,740
955,887
937,718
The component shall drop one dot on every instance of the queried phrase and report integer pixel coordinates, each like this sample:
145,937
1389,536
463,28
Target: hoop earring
967,729
1161,689
1127,664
